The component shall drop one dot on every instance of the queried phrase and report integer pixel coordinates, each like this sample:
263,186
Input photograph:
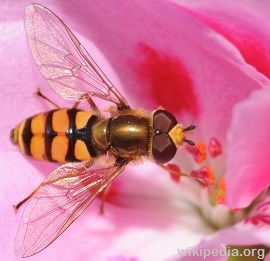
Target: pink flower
203,62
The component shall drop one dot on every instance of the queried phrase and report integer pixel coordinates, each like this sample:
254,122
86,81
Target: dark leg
104,195
87,165
89,100
17,206
47,99
121,163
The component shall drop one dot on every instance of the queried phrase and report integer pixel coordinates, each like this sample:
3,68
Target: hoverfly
77,137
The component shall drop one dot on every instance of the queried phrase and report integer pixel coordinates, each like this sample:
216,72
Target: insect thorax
124,135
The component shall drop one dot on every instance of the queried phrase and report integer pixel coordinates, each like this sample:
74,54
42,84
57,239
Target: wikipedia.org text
225,251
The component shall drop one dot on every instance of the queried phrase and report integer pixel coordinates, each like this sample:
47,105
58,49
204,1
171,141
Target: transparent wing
57,202
63,61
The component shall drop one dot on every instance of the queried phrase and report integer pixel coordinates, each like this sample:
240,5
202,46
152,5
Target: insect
78,138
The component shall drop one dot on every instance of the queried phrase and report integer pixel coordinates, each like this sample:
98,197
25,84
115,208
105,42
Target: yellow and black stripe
62,135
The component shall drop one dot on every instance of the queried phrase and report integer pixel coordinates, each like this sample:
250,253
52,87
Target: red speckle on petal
168,81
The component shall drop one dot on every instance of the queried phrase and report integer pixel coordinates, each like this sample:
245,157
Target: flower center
212,202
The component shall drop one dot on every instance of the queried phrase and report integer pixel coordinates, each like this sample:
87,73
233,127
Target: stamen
174,171
198,151
221,192
205,176
214,147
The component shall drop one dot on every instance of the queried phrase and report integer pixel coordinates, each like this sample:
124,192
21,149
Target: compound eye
163,121
163,149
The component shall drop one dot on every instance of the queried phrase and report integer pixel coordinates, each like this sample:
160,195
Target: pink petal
244,24
248,164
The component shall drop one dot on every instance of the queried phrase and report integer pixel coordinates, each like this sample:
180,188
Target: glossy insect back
78,138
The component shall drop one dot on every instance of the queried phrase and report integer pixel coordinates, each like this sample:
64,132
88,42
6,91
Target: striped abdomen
60,135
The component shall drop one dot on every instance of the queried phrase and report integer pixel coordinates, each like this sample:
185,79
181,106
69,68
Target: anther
214,147
204,175
174,172
221,192
198,151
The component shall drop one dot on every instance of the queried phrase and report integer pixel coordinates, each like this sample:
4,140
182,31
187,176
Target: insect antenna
190,142
189,128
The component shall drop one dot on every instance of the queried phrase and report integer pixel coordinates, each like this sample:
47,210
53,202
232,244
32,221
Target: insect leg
120,162
45,98
17,206
89,100
104,196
